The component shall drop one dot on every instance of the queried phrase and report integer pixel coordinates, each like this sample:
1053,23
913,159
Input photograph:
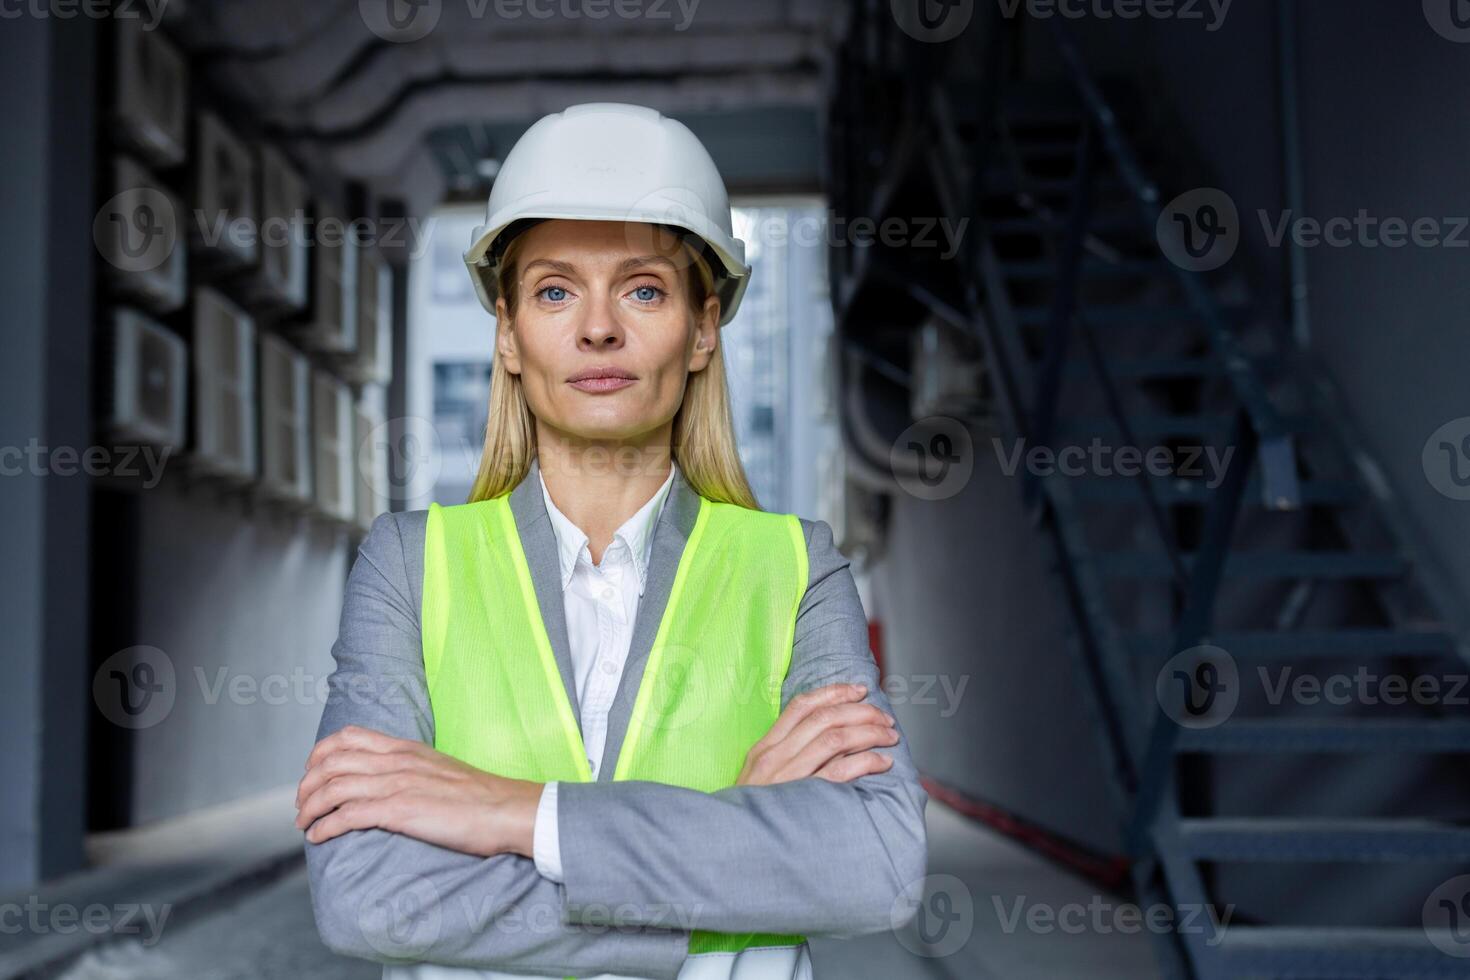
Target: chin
607,427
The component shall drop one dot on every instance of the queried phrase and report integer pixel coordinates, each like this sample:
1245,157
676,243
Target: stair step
1092,267
1281,839
1179,490
1353,644
1298,953
1269,737
1274,564
1155,427
1122,315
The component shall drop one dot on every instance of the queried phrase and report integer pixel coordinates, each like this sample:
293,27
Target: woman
607,718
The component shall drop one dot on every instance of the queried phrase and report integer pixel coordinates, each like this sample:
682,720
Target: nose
600,329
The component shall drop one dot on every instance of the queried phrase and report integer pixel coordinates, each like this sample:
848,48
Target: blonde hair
703,439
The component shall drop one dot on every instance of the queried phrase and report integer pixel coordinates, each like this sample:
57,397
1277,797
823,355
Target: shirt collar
636,533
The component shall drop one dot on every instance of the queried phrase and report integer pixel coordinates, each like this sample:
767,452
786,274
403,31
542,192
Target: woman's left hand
358,779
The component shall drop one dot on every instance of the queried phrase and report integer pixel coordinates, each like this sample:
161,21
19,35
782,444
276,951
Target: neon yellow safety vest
710,690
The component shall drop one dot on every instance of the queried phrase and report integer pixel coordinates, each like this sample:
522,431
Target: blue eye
559,291
647,294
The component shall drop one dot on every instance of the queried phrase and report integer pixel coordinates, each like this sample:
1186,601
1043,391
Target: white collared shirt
601,603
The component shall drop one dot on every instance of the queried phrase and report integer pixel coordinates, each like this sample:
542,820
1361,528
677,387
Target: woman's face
602,337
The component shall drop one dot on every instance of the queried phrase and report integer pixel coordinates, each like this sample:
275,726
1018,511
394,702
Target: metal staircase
1183,584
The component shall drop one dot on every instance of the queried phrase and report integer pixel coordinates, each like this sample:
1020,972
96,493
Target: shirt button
607,667
607,594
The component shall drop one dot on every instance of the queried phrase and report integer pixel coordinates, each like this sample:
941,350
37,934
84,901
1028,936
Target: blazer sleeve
810,856
391,898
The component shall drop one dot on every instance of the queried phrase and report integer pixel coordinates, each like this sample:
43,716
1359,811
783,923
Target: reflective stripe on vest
710,690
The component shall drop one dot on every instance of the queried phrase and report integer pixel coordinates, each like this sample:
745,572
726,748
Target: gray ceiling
411,111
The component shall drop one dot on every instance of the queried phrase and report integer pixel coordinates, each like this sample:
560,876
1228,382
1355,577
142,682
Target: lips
602,380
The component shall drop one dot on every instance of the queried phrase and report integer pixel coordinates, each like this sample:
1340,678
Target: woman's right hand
826,732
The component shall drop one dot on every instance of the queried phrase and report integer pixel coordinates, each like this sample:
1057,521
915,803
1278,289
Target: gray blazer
645,863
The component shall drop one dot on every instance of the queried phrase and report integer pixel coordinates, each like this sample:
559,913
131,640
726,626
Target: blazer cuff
545,836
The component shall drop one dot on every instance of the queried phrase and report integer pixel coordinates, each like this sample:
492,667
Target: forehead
591,243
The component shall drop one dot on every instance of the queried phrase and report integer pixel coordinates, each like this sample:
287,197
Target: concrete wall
965,596
1384,131
243,603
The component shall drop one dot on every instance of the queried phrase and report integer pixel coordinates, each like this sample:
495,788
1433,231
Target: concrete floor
968,929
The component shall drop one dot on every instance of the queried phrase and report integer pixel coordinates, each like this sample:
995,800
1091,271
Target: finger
356,738
834,716
850,767
345,762
364,815
776,756
801,706
343,790
840,741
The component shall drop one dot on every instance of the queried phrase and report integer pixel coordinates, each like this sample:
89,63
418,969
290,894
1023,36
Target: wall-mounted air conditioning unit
145,382
151,85
372,362
141,233
332,326
280,281
372,465
224,386
225,226
332,446
285,422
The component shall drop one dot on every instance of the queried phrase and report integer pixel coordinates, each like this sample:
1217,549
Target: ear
706,334
505,338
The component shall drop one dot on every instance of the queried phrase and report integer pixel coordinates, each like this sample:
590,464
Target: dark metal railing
1259,434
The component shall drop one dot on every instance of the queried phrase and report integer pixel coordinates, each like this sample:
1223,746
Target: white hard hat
610,161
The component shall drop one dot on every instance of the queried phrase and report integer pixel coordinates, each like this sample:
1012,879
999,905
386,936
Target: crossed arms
645,863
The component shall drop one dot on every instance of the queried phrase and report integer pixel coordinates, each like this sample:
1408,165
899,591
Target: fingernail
860,688
889,717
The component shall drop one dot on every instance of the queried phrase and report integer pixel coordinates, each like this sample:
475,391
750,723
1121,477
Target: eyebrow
567,269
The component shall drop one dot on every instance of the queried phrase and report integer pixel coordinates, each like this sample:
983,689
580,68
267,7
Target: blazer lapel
538,540
670,534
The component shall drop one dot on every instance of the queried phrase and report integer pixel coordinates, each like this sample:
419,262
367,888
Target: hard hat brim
730,281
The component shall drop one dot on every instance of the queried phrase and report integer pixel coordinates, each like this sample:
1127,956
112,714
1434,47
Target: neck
599,484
